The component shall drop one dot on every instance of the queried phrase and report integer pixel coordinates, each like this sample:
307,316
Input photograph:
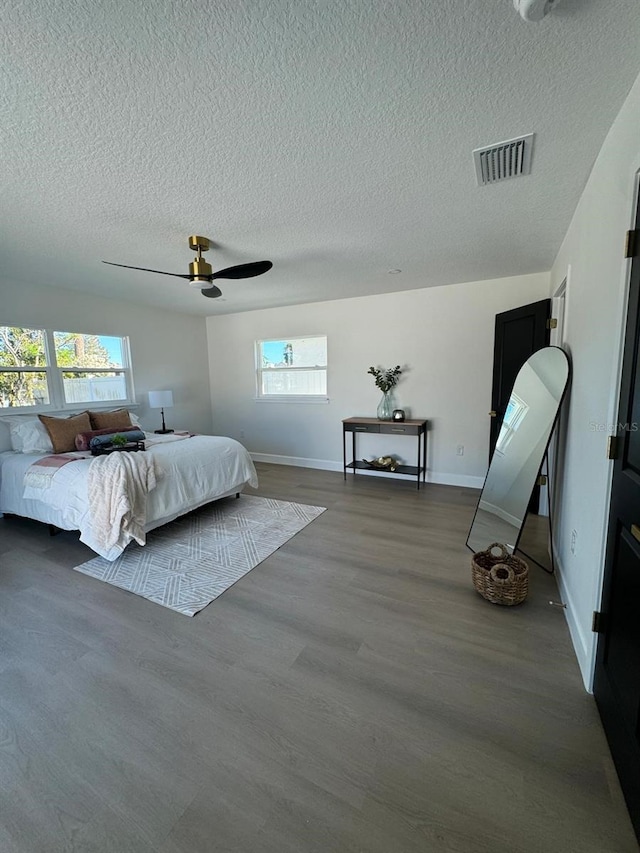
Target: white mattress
196,470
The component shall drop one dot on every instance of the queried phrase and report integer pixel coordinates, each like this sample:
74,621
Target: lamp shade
160,399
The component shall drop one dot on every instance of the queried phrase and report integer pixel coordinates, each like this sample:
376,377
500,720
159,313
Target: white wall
444,336
168,350
594,321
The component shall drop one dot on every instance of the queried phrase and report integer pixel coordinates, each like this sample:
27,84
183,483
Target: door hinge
612,447
631,244
542,480
598,622
552,323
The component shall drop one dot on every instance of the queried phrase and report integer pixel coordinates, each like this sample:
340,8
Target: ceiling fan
200,273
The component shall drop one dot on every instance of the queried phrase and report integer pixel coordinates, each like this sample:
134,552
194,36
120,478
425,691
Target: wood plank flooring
352,694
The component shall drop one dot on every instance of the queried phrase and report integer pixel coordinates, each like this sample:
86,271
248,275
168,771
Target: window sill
292,398
78,408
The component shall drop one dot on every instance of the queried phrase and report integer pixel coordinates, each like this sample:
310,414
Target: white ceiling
332,137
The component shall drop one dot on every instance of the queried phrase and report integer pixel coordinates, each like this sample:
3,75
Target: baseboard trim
296,461
466,481
505,516
582,647
462,480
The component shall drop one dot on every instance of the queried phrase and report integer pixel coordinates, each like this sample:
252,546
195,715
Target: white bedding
195,470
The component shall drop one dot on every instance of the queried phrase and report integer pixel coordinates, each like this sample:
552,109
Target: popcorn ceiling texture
334,138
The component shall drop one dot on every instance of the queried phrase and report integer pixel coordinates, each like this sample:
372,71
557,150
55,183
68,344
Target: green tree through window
92,367
74,350
21,348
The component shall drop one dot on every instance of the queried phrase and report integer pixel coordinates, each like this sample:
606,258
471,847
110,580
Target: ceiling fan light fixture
200,272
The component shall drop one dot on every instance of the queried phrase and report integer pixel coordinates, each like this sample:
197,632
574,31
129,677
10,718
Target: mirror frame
554,424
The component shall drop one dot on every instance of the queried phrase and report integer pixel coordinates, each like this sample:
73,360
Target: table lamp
161,400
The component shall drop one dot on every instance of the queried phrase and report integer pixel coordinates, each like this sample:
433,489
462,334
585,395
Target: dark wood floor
350,694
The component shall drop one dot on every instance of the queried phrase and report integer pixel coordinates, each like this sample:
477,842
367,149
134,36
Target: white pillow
13,425
28,434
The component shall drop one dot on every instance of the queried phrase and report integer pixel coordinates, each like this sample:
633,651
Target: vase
386,406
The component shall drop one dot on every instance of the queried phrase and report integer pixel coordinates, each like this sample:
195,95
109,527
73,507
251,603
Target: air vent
509,159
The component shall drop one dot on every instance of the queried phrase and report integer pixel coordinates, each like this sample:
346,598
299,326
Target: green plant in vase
386,380
119,440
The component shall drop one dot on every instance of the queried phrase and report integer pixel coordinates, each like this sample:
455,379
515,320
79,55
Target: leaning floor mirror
529,419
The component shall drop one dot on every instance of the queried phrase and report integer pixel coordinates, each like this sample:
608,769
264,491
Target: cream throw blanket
118,485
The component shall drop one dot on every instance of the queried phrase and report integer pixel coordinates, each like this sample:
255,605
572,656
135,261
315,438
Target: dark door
519,333
617,676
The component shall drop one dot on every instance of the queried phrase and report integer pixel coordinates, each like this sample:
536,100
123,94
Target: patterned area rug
194,559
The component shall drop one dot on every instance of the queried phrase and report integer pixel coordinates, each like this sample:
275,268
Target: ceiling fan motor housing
200,272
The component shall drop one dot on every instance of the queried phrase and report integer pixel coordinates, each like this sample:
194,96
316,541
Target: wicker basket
500,578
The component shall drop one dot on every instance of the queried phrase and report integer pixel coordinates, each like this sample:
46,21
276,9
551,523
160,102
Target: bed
194,470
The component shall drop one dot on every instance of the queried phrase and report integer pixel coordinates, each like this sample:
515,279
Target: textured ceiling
333,138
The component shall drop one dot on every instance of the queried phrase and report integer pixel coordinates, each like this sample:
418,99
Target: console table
417,428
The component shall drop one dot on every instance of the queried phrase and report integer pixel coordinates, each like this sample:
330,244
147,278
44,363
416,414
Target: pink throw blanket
40,474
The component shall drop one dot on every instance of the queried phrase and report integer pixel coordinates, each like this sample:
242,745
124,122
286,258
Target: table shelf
411,470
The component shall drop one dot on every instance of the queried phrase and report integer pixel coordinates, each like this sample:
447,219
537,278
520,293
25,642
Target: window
43,369
292,368
23,363
105,381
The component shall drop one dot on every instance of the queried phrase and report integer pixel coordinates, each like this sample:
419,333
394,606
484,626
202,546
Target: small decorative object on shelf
500,578
382,463
398,415
386,380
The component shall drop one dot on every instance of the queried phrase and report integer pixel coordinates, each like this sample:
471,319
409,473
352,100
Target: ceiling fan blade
212,292
144,269
244,270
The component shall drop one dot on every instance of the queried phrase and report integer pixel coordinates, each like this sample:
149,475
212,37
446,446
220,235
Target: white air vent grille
509,159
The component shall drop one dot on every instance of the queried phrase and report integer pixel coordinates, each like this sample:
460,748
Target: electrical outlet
460,450
574,537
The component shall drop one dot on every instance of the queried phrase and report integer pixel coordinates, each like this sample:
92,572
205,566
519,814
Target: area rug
189,562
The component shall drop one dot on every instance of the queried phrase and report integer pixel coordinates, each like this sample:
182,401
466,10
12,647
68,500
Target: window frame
55,380
289,398
511,423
